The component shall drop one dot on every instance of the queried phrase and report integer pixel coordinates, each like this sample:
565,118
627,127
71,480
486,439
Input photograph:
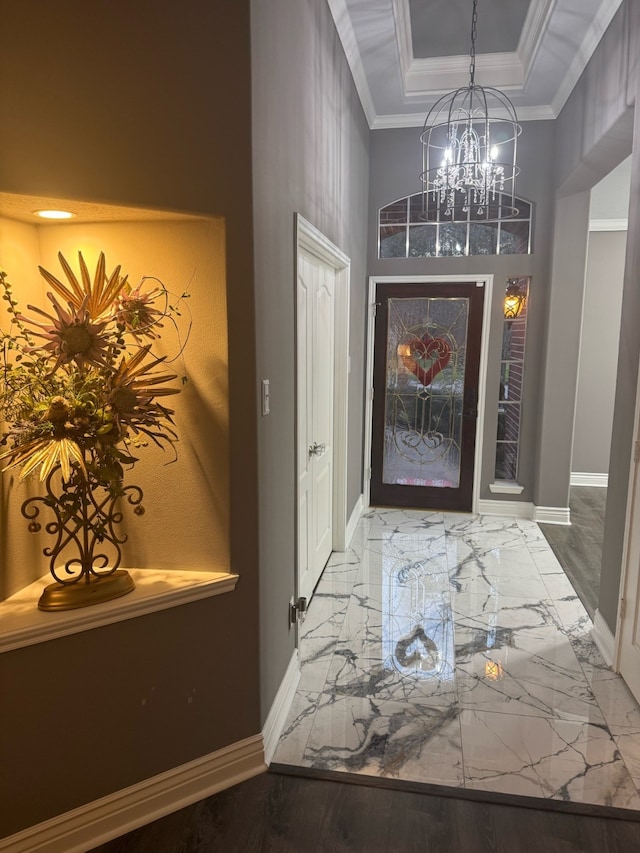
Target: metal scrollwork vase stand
84,516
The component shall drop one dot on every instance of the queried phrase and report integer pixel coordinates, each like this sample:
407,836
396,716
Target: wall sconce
514,300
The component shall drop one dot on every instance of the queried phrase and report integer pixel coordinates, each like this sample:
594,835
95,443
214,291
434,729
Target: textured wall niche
187,500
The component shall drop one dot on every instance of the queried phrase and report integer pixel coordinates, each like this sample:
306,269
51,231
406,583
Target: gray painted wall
599,351
561,350
395,166
610,196
310,155
595,131
594,128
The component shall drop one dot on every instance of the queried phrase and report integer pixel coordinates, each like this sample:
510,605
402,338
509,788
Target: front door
425,404
315,364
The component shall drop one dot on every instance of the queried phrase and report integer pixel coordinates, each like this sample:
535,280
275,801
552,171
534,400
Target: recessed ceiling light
54,214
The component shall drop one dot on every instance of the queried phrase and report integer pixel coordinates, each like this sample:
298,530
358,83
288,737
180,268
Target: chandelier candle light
469,144
80,396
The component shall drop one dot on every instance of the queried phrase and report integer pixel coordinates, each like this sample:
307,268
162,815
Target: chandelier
469,146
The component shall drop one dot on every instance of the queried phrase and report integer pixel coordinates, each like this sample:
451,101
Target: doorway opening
579,547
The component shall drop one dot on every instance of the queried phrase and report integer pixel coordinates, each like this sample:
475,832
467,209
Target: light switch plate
265,397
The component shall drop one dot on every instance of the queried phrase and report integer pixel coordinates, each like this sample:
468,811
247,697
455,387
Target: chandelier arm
487,172
439,107
515,170
506,103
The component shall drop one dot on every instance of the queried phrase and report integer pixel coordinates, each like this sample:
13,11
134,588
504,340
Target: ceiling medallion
469,143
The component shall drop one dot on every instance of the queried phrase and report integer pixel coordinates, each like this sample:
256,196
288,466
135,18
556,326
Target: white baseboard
603,638
578,478
102,820
511,509
525,509
356,515
277,716
552,514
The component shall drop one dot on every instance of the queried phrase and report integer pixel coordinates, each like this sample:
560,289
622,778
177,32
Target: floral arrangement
81,388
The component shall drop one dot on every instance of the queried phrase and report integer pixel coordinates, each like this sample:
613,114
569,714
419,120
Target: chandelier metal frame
469,146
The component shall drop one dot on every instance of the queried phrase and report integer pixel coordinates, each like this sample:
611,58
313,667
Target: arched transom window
403,233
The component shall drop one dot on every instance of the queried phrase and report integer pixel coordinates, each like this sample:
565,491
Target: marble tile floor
452,649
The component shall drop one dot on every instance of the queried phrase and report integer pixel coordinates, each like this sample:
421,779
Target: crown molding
535,26
402,16
446,73
541,113
431,78
598,27
442,74
342,21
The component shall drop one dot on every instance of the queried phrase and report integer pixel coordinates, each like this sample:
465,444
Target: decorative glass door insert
424,424
426,346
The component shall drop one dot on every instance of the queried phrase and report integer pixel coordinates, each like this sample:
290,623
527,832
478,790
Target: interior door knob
316,449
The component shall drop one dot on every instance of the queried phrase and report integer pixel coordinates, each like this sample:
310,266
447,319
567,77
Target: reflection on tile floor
452,649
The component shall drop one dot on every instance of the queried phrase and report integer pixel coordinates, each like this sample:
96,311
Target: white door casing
322,303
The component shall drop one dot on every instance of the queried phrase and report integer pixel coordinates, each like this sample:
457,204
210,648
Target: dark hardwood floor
579,547
291,813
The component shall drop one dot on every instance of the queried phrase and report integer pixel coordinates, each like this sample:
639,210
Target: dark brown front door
425,403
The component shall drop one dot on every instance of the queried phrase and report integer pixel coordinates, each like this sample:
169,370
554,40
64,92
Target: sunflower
132,394
45,453
98,296
78,397
70,336
137,313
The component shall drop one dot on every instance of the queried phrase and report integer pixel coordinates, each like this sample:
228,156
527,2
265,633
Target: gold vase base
58,596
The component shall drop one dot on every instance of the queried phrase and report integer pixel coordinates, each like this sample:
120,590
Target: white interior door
629,617
315,353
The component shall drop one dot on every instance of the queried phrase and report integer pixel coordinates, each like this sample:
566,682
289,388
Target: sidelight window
511,375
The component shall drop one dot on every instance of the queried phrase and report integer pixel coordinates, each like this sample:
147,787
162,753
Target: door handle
316,449
470,405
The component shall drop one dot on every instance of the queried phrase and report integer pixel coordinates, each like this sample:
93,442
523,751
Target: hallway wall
310,156
145,104
600,334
